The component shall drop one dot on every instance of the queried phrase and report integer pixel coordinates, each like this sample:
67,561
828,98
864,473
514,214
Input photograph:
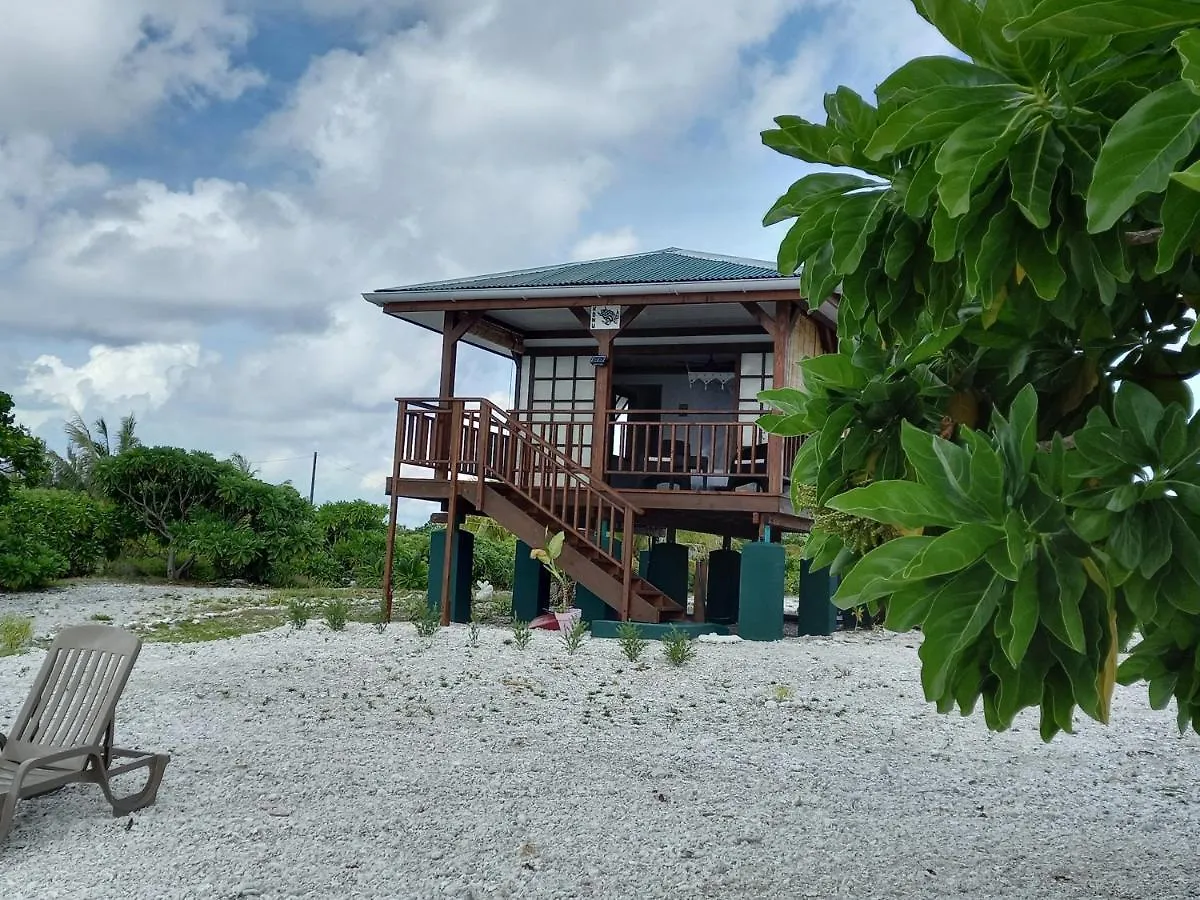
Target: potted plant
562,588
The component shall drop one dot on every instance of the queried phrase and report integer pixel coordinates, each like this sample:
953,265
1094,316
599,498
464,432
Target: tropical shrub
22,456
1003,446
27,561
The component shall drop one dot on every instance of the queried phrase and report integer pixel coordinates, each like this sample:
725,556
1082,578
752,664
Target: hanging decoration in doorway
604,318
708,373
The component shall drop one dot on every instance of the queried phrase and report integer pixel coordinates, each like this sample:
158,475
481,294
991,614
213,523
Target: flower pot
569,619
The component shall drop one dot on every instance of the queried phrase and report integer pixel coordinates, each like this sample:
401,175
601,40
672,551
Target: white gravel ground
332,765
81,602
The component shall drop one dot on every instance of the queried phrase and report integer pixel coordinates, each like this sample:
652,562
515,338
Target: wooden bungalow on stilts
634,414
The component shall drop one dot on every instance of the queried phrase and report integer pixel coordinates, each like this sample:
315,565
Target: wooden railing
699,449
472,440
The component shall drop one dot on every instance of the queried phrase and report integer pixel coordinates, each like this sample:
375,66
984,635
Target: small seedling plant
522,634
335,613
573,639
298,612
428,621
678,647
473,634
630,640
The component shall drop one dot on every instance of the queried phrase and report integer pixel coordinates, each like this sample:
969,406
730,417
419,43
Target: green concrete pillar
462,560
724,578
760,606
595,609
666,567
816,615
531,586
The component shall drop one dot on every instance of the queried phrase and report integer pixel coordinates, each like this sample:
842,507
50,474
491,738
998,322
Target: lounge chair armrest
93,752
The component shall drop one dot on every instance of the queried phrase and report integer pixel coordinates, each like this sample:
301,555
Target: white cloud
476,138
143,376
602,244
75,66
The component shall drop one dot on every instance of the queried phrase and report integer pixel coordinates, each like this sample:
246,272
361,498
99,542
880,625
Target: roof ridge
597,270
531,270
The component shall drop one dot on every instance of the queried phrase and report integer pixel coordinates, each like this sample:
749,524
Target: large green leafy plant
1003,450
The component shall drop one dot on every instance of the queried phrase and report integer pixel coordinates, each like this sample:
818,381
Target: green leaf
959,614
1040,264
810,230
940,464
1142,150
1033,167
784,426
959,21
932,344
953,551
1186,545
849,114
1020,437
1085,18
907,607
1154,521
1023,617
1188,47
832,370
934,114
855,222
904,504
1139,412
799,138
1162,689
986,473
971,153
905,236
819,186
1059,605
921,188
878,573
1180,219
789,400
925,73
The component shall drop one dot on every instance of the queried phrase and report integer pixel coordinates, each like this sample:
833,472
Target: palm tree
243,465
85,447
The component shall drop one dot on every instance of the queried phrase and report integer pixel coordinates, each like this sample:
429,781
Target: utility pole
312,484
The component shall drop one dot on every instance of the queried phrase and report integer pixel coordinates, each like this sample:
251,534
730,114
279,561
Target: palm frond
126,438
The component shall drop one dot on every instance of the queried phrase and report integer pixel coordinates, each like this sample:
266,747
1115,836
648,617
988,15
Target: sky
195,193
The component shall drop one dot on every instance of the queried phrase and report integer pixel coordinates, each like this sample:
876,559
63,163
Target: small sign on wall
605,318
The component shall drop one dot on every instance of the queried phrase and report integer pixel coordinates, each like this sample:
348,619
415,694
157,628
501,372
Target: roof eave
599,291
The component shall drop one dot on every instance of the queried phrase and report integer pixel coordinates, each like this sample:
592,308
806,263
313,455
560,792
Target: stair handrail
489,412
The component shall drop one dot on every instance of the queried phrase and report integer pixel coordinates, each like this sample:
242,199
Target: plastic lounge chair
63,733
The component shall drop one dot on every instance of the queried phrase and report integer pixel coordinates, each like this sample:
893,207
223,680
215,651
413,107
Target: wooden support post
452,523
605,343
393,508
779,335
604,347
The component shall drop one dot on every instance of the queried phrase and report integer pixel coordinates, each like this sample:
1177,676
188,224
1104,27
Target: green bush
27,561
494,561
47,534
84,530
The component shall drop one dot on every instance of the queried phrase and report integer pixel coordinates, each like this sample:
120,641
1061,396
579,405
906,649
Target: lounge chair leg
123,806
8,809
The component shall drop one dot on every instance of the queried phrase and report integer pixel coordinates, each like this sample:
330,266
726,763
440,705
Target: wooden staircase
499,467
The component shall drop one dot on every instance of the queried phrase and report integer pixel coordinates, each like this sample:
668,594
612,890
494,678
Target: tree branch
1142,238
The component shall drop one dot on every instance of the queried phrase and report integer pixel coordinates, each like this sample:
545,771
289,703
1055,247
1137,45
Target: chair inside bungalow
670,464
748,466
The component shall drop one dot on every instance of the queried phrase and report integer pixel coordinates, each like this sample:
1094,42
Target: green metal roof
654,267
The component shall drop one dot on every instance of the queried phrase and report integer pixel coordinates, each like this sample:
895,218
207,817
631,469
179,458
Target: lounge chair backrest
74,697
